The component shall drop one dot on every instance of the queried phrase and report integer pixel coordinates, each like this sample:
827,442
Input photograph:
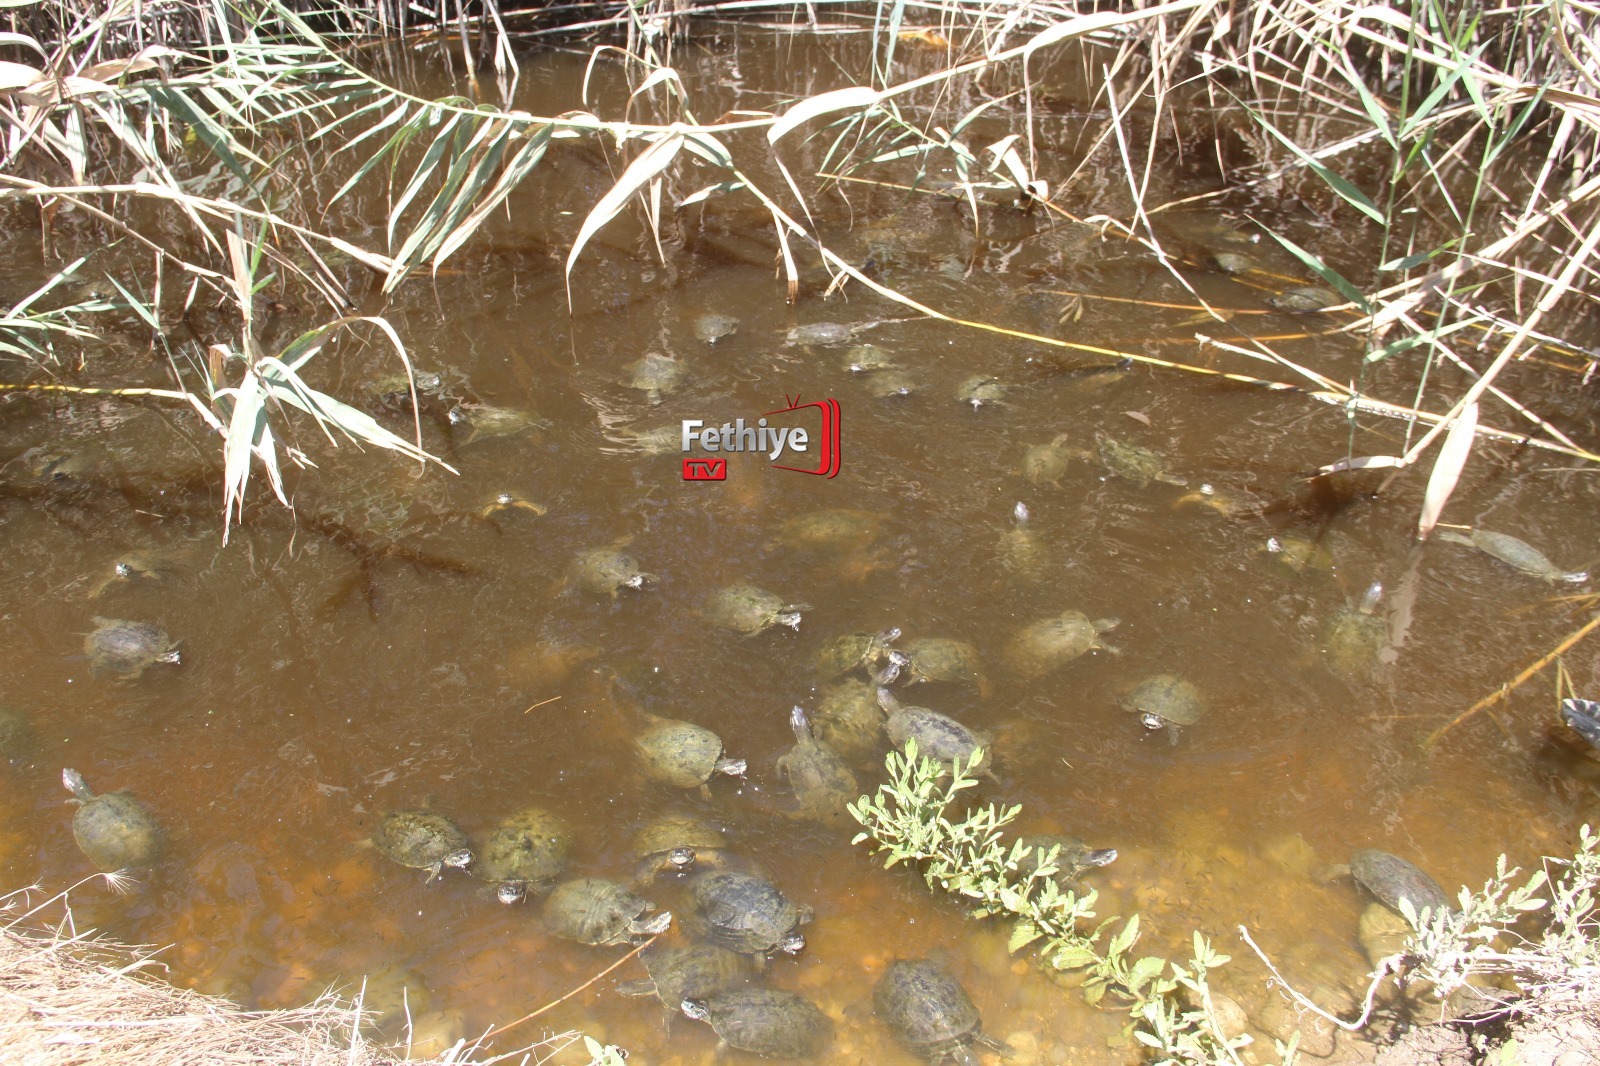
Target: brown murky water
404,643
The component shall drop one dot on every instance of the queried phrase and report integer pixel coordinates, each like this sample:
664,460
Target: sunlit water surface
404,643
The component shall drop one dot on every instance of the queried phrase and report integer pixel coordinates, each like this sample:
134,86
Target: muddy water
405,642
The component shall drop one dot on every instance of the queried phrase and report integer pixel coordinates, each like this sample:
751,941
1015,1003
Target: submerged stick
557,1002
1505,690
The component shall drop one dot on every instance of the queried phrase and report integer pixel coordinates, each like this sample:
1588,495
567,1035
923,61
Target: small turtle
656,375
115,831
939,737
888,384
849,719
1298,553
1051,643
127,649
1073,858
393,391
1581,716
827,334
693,972
592,910
677,842
931,1013
713,327
1305,300
682,754
481,421
944,659
1138,465
603,571
837,529
980,389
1021,551
1046,464
821,781
1166,700
1356,638
764,1021
135,568
1229,502
527,851
1390,879
747,913
868,358
869,653
1234,263
750,610
1515,552
510,501
422,840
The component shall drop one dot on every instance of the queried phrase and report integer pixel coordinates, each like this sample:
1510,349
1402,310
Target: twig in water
541,703
1386,967
557,1002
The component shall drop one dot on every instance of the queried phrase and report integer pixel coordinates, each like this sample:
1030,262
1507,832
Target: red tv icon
705,470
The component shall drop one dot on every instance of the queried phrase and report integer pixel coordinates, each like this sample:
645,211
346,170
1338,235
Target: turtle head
789,618
696,1009
1152,721
516,891
681,857
460,858
1582,715
76,784
1099,857
793,943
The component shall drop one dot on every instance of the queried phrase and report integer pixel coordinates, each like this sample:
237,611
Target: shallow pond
406,640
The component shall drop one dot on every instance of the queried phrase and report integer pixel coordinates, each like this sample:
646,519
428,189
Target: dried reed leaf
1447,468
856,97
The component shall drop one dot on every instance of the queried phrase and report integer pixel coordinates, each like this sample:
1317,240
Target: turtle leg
999,1047
434,872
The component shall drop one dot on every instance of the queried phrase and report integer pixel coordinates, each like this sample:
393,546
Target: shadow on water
407,640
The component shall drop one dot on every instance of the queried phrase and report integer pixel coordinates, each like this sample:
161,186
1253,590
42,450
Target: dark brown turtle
592,910
127,649
115,831
1390,879
1583,718
747,913
764,1021
693,972
422,840
931,1013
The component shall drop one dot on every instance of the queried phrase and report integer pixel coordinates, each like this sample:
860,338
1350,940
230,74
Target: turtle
1166,700
1138,465
944,659
827,334
1299,553
1051,643
1073,858
135,568
746,913
1020,549
682,754
691,972
1390,879
888,384
980,389
422,840
127,649
931,1013
867,358
1228,502
603,571
750,610
1581,716
1234,263
1045,464
764,1021
836,529
1515,552
393,391
677,842
849,719
712,327
115,831
658,440
526,851
939,737
654,374
592,910
1355,638
869,653
503,502
481,421
821,781
17,739
1305,300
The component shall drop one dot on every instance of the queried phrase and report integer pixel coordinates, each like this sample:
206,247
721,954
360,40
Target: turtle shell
592,910
849,720
1168,698
746,913
747,609
676,753
766,1021
822,334
417,838
693,972
528,848
943,659
602,570
115,832
926,1008
677,836
1073,856
128,649
1051,643
821,781
938,736
1391,878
